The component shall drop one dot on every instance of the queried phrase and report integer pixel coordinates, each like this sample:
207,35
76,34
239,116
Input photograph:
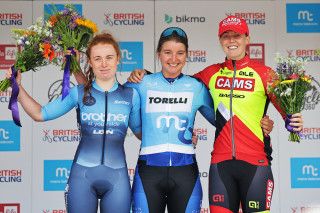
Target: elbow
38,118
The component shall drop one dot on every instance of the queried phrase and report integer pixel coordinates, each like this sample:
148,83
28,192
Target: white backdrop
35,160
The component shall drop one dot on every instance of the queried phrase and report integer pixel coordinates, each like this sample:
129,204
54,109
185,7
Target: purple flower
24,39
59,37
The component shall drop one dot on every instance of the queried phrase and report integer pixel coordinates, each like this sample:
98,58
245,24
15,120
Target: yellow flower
287,81
19,32
87,23
306,78
41,45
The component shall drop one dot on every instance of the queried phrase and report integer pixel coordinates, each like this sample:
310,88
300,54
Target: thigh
147,194
223,189
118,199
259,193
79,197
185,196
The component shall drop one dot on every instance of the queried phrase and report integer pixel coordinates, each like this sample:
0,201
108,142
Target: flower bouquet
37,45
289,85
73,31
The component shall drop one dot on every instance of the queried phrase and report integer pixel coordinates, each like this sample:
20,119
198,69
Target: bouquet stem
294,137
5,84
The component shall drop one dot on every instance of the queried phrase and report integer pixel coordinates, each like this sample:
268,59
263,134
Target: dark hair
173,37
103,38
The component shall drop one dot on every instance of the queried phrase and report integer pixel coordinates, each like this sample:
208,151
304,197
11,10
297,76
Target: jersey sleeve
58,108
135,115
132,85
207,106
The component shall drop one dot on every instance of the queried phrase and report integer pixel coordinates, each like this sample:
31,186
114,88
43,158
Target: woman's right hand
136,76
77,54
18,78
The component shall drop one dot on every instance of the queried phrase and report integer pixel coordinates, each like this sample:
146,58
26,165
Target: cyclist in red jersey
240,170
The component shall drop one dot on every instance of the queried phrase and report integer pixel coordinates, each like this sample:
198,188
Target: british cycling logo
55,90
309,55
131,56
9,207
10,176
7,55
305,209
60,135
310,134
124,19
10,19
252,18
305,172
9,136
199,56
312,98
303,18
56,174
54,211
184,19
5,96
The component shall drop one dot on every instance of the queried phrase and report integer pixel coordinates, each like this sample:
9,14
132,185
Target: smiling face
173,57
104,62
234,44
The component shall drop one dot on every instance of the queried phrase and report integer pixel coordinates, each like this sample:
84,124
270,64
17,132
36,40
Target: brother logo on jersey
165,102
243,84
101,117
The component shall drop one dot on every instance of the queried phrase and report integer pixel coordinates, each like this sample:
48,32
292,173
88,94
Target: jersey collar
239,63
113,88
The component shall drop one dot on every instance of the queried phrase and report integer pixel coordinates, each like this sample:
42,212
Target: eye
109,58
97,59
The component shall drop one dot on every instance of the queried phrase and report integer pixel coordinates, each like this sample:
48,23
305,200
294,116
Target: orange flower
275,83
47,50
29,33
52,55
53,20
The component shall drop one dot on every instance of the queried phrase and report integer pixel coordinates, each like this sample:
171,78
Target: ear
118,60
247,40
158,54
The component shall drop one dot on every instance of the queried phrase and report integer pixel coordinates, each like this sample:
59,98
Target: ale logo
167,18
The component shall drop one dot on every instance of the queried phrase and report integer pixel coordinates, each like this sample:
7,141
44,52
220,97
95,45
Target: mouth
233,47
173,65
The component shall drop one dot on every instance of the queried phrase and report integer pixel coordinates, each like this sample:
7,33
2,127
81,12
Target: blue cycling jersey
102,137
168,111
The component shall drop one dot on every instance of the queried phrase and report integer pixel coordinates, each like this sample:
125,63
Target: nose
104,63
174,57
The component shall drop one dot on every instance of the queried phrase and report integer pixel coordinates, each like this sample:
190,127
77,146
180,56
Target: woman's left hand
297,122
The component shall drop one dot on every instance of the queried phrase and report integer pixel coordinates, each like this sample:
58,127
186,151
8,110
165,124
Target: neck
107,84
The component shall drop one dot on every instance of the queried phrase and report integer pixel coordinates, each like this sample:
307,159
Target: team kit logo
124,19
9,136
56,174
10,19
9,207
303,18
252,18
184,19
7,55
305,172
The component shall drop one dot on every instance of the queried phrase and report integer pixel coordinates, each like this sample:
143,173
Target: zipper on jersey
105,126
231,113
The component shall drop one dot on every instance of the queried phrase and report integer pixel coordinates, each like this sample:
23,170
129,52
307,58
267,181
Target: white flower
282,94
288,92
27,43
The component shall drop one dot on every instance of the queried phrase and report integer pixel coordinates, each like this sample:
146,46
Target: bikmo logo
56,174
305,173
180,124
303,18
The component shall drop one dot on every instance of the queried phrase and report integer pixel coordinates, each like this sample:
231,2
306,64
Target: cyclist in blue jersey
104,111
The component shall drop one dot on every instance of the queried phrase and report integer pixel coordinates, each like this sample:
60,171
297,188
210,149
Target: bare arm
80,77
30,106
138,135
136,76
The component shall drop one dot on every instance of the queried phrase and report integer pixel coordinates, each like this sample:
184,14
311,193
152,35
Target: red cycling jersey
239,90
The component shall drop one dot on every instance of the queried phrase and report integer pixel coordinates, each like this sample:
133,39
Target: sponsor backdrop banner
35,160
